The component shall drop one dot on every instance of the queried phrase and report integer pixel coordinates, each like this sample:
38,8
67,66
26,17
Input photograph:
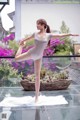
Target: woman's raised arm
25,39
63,35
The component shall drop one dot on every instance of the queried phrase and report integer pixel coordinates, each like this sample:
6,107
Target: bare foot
23,45
36,99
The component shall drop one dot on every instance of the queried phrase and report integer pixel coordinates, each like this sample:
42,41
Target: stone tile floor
70,111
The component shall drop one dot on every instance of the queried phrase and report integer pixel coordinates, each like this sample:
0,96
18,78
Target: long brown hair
43,22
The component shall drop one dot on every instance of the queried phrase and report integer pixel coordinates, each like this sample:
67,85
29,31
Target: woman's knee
16,57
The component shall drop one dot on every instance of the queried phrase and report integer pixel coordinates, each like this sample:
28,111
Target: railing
46,56
72,64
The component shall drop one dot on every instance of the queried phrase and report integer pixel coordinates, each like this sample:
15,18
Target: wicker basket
55,85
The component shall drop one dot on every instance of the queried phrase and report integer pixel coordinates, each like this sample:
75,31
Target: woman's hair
43,22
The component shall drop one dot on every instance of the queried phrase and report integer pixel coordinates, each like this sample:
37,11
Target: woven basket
55,85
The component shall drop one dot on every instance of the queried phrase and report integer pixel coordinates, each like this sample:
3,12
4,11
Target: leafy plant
67,40
7,71
13,45
48,76
60,46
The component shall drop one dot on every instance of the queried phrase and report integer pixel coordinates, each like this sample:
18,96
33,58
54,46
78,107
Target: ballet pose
41,40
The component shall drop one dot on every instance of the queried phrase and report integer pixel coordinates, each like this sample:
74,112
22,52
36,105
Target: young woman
41,39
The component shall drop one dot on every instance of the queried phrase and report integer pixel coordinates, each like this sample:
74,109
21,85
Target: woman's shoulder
49,34
35,33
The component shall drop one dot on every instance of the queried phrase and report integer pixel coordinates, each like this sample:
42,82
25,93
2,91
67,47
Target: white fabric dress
40,44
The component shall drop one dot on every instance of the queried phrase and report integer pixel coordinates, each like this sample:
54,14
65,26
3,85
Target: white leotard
40,44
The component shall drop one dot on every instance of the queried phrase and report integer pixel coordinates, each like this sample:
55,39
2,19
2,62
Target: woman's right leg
37,67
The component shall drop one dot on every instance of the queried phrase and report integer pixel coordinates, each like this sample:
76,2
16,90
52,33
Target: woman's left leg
22,56
19,51
37,67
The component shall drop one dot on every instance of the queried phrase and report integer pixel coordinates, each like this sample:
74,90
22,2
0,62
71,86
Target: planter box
55,85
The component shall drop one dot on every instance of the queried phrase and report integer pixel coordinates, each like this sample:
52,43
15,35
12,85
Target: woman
41,39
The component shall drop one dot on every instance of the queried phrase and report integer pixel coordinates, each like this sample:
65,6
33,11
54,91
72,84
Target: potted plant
49,80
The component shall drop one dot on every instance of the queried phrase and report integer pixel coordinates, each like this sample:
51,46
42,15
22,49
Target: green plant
48,76
7,71
14,45
42,73
29,42
62,75
68,46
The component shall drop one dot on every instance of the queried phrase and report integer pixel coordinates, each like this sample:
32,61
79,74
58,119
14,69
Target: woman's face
40,26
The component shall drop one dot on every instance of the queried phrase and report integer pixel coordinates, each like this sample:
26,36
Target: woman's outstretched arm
63,35
25,39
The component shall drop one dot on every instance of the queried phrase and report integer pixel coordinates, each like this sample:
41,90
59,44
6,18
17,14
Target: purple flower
48,51
22,64
56,42
6,52
8,38
5,39
29,62
11,36
15,65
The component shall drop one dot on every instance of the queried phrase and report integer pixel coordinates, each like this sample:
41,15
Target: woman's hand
21,42
75,35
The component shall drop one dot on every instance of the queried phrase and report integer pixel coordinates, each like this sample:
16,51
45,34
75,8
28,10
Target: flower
11,36
8,38
6,52
54,43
